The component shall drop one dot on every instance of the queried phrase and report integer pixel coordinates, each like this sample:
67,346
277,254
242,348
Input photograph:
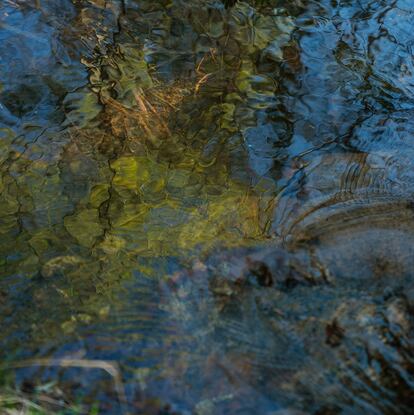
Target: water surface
217,196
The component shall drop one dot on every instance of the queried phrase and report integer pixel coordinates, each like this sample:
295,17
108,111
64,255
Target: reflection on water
216,195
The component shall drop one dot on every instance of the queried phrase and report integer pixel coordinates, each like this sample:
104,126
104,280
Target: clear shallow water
218,199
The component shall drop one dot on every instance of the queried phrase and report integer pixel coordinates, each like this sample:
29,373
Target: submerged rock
321,318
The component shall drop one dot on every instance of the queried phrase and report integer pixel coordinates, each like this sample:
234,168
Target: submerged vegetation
146,162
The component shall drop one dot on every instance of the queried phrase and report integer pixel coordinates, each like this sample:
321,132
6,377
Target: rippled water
217,196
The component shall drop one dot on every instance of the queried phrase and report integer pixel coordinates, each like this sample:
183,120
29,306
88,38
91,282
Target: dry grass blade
111,368
201,82
13,400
